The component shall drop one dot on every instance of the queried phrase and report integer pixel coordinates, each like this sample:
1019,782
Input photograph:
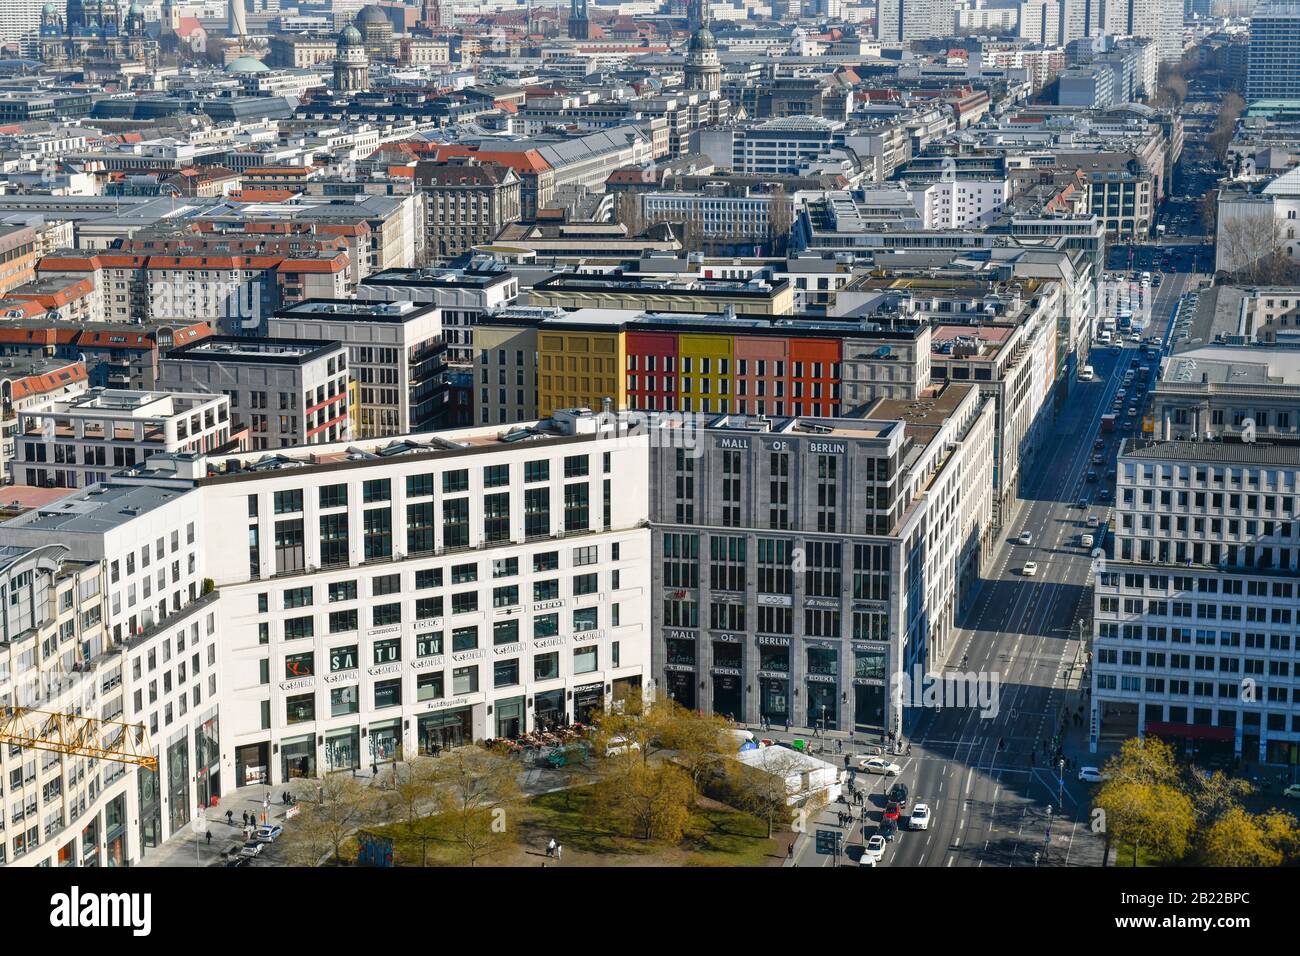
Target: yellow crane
77,736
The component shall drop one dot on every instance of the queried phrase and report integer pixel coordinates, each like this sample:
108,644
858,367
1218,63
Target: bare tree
763,790
342,805
476,790
780,219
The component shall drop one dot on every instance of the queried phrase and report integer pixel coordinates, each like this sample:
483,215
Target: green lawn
1124,856
716,835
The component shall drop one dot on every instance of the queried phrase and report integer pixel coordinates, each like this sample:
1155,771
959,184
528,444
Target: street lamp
1060,781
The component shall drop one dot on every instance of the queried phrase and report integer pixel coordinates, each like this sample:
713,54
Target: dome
136,8
50,10
372,15
701,39
247,64
350,36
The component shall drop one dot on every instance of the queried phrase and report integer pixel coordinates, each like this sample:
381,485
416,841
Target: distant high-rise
579,25
1273,70
902,21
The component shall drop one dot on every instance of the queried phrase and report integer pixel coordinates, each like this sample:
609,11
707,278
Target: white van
1085,541
1087,374
1103,338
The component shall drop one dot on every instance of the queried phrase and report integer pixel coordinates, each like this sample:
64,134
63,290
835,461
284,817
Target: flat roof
261,351
96,509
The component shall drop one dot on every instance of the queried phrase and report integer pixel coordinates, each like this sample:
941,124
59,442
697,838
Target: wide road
985,778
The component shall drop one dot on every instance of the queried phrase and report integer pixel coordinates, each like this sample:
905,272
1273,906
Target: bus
1086,374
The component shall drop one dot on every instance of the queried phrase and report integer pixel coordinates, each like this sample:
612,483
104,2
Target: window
288,502
505,673
428,645
505,567
585,619
546,666
377,489
537,471
334,496
494,476
382,615
343,658
385,584
297,597
300,709
505,632
546,625
343,591
575,466
299,627
299,665
388,693
454,481
464,680
419,486
344,700
464,639
464,602
585,556
546,561
585,660
378,533
429,686
586,583
505,596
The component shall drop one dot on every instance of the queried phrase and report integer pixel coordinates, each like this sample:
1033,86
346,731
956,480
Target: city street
987,780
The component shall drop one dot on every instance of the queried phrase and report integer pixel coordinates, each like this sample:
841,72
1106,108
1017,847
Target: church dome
350,36
372,15
702,39
247,64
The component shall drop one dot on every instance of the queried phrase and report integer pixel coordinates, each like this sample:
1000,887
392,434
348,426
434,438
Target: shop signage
765,640
733,443
828,603
868,682
548,605
342,677
473,655
428,624
381,631
551,642
778,445
381,669
879,606
726,671
870,646
679,667
584,636
827,447
680,635
444,704
775,600
821,645
774,675
429,663
506,650
588,688
503,611
727,638
821,678
302,683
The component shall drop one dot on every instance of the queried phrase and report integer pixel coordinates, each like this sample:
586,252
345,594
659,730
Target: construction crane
77,736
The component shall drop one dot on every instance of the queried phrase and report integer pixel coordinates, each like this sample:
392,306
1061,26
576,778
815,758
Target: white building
960,203
78,441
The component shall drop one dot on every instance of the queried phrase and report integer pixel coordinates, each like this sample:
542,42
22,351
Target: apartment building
461,296
396,355
78,441
804,565
26,381
692,362
284,392
1194,636
469,202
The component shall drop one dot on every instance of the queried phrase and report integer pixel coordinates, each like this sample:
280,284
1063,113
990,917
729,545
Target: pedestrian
839,749
230,818
789,851
374,770
245,818
550,847
559,851
209,838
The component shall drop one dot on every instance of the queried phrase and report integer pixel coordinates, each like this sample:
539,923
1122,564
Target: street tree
475,792
1214,794
1147,761
342,805
699,742
633,731
1156,817
1239,838
648,801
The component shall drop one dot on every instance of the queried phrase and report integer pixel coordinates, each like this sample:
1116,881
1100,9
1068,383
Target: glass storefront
774,705
822,710
298,757
445,729
115,830
90,843
510,717
548,710
681,688
343,750
385,740
251,764
727,697
588,700
178,784
869,707
150,796
207,754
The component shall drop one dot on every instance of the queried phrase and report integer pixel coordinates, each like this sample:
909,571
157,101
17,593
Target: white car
1094,521
880,765
873,851
268,834
1026,538
1091,775
1030,569
620,745
251,849
920,818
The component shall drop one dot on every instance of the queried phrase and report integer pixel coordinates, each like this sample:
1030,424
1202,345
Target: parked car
251,849
620,745
268,834
1091,775
880,765
888,829
874,850
1292,791
898,794
892,810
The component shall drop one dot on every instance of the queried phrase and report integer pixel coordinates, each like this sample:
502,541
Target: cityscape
657,433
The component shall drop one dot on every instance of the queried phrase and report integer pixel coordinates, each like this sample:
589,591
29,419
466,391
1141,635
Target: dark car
888,828
898,794
1097,459
1104,494
1092,476
1099,443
